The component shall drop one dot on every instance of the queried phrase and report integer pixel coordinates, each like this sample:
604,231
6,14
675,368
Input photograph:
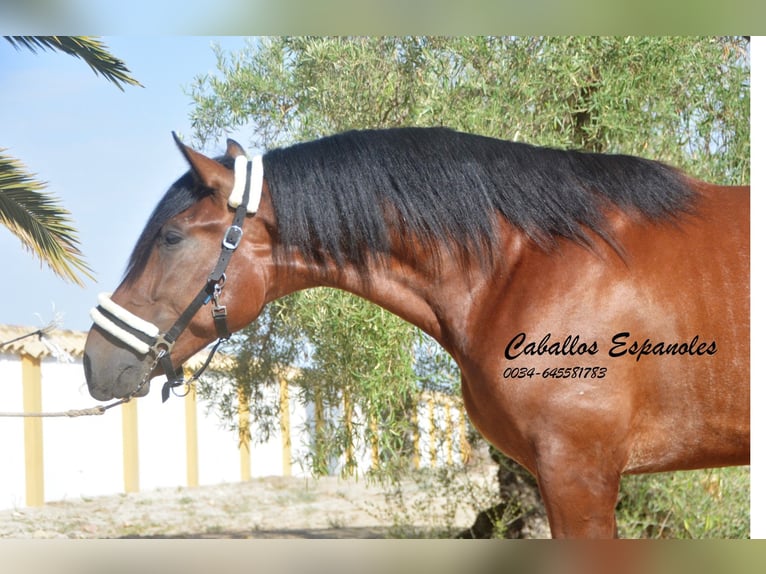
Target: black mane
342,198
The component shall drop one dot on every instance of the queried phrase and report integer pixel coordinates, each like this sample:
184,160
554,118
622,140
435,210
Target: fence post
244,435
130,445
319,444
284,426
192,449
374,443
31,379
432,430
465,447
415,436
348,419
449,428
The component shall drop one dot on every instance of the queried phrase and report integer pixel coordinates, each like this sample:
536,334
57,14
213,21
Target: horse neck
435,296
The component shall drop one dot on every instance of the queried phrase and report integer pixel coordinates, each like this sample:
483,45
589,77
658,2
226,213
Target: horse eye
172,238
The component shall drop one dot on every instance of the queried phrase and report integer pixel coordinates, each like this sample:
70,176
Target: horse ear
233,149
210,173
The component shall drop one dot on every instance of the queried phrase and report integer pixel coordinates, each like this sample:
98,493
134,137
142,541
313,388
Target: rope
71,413
39,332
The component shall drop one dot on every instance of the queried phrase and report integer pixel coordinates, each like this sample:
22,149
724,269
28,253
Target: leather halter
145,337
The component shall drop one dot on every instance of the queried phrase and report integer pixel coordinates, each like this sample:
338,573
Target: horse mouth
125,383
131,382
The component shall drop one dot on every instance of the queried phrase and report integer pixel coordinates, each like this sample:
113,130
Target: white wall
11,434
83,457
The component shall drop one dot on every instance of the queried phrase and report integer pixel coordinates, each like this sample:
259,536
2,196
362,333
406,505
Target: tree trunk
520,514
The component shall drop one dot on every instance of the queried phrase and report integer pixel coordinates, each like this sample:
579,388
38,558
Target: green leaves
39,221
29,212
361,358
26,209
695,504
682,100
89,49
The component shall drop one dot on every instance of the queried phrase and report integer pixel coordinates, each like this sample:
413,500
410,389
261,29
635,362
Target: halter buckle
233,237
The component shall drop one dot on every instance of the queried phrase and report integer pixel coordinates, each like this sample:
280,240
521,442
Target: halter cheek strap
144,337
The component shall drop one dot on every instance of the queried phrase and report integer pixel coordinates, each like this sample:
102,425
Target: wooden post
130,445
415,437
284,426
449,429
465,447
432,430
192,449
244,435
348,415
374,443
31,380
319,437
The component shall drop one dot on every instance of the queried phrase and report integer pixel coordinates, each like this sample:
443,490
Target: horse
597,305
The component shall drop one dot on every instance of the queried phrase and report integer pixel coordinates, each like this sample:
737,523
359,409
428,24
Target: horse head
195,255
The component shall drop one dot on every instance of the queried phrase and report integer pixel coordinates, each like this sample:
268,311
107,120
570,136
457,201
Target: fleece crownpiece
241,168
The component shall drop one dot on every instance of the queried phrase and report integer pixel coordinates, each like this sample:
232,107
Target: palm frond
38,220
87,48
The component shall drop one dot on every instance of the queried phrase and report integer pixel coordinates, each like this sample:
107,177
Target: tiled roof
43,343
65,344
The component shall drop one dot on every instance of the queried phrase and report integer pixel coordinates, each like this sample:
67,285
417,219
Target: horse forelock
184,193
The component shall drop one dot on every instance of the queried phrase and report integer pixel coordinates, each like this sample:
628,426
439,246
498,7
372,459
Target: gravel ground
272,507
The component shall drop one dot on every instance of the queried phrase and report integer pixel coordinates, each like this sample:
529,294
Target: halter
144,337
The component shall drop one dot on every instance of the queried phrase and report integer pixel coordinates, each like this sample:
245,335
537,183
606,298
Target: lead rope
71,413
101,409
91,411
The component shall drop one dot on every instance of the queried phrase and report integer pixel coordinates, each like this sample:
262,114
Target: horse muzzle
111,370
139,338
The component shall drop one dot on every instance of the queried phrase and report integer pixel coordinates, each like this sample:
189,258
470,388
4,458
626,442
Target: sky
108,155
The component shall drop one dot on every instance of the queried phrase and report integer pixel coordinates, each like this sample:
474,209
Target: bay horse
596,304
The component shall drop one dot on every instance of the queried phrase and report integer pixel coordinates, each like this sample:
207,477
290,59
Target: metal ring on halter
161,347
187,389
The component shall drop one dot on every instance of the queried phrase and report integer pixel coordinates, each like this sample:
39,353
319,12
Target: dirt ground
272,507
